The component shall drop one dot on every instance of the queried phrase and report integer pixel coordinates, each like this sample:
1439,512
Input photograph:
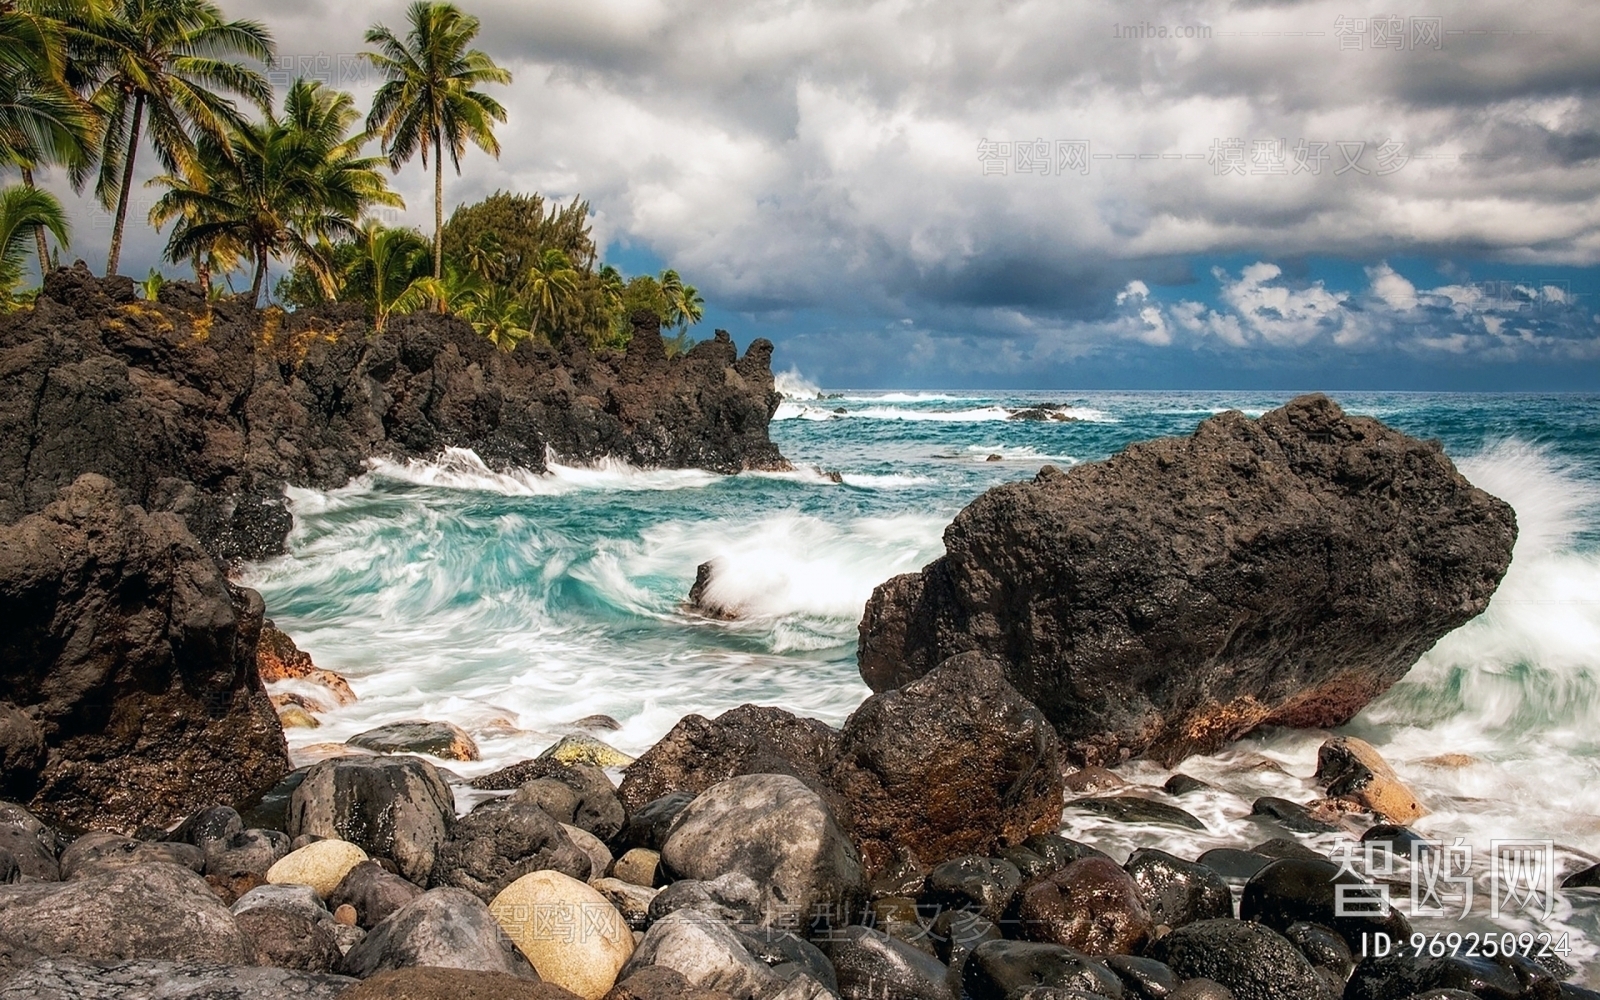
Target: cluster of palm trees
87,85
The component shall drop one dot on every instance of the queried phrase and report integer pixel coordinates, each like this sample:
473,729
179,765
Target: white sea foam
792,385
462,469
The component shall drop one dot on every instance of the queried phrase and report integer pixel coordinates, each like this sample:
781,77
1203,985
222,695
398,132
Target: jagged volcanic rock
209,411
136,659
1285,570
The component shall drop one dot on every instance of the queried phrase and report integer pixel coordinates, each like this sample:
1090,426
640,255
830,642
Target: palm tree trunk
261,278
38,232
438,214
202,274
127,185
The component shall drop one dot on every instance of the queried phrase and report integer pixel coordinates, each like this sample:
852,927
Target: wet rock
1230,862
875,966
1176,891
322,865
790,956
1028,863
452,984
956,932
1323,947
373,892
77,979
997,969
209,829
1183,784
1180,594
157,911
1252,961
575,938
1292,815
269,810
1291,891
437,739
95,853
733,898
30,842
705,951
648,825
1279,847
632,901
955,763
1091,780
1402,976
288,940
448,928
1587,878
779,833
136,659
1091,906
1397,839
1354,771
1202,989
392,807
295,717
984,885
499,842
751,739
1145,978
578,749
706,598
577,794
1133,809
641,866
1060,852
279,659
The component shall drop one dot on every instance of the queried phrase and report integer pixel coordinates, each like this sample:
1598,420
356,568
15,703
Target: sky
948,193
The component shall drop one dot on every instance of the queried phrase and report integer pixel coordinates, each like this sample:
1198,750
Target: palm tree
23,210
388,272
431,100
682,305
43,122
550,281
160,67
281,187
500,316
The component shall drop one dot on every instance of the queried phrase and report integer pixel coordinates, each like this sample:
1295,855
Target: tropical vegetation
250,181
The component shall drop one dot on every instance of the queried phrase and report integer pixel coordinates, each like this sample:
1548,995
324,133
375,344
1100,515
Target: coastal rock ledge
1285,570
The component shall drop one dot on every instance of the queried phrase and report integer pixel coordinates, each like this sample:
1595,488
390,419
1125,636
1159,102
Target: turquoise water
514,605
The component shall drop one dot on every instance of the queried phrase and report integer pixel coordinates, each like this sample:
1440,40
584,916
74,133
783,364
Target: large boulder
954,763
391,807
135,657
1285,570
1253,962
571,934
157,911
502,840
150,979
705,951
446,928
424,983
779,833
750,739
31,843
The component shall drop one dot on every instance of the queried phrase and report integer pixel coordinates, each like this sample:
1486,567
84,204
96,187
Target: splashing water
514,604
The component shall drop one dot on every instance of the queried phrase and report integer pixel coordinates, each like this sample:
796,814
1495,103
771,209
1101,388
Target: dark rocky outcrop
1285,570
499,842
1254,963
209,411
135,657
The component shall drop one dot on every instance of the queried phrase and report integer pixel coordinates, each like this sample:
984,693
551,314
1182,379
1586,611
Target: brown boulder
279,659
1285,570
952,764
1354,772
751,739
427,983
1092,906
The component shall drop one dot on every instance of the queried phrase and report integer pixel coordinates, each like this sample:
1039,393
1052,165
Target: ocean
515,604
